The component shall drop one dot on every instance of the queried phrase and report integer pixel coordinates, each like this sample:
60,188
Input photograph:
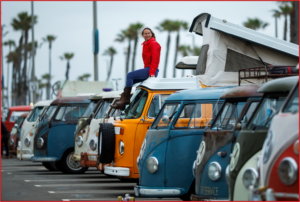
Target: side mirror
165,119
16,125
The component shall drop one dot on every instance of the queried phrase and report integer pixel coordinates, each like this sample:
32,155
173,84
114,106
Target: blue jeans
138,76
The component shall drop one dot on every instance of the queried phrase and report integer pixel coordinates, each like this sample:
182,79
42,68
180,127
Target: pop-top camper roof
227,48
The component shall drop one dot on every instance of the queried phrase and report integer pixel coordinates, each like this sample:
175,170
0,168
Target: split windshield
292,105
103,108
265,112
136,106
90,108
47,116
69,113
35,114
228,116
166,116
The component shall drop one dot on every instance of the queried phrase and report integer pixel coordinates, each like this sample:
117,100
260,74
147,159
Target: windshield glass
104,108
156,104
35,114
265,112
69,113
4,114
136,106
165,116
90,108
228,116
19,121
15,115
47,116
292,105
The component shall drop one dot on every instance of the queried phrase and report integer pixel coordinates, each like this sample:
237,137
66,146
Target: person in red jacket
151,56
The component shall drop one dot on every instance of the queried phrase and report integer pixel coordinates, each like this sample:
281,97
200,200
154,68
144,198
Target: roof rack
266,72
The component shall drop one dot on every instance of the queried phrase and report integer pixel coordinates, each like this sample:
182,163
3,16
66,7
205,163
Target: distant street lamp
116,82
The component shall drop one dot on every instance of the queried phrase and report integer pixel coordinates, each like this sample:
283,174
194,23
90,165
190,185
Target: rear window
69,113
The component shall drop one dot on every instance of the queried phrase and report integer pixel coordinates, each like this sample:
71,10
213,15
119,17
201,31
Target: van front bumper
201,198
158,191
87,160
269,195
25,154
43,159
117,171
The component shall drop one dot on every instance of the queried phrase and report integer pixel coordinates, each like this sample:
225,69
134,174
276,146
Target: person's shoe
124,100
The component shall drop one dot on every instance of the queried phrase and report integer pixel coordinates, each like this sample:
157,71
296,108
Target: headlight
143,147
288,171
79,141
152,165
200,152
194,168
250,177
93,144
214,171
11,142
268,146
27,142
296,147
227,173
121,147
40,142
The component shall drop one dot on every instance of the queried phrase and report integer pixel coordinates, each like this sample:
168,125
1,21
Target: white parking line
120,192
51,192
88,185
75,180
114,199
8,173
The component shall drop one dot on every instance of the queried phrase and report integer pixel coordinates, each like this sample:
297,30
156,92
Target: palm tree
68,57
297,22
13,57
197,50
84,77
30,54
276,15
9,43
111,52
285,11
166,25
255,24
134,29
178,25
121,37
49,39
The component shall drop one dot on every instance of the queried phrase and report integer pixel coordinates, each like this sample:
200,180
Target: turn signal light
121,131
97,133
30,133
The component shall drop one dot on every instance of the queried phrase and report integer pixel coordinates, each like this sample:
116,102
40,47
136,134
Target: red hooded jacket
151,55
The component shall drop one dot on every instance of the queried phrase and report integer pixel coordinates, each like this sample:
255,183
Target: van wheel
187,196
50,166
106,139
68,166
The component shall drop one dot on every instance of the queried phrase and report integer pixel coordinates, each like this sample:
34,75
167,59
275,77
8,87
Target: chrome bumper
140,191
117,171
43,159
269,195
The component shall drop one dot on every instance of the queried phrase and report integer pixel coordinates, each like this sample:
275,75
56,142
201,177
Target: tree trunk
24,73
49,80
276,33
285,28
134,52
18,87
14,84
167,54
297,22
292,24
67,72
175,57
110,67
127,58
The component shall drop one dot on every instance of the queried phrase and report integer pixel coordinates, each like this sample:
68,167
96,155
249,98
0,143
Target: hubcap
73,164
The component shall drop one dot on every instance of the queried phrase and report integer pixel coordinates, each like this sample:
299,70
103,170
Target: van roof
43,103
279,85
71,100
170,83
243,92
199,94
20,108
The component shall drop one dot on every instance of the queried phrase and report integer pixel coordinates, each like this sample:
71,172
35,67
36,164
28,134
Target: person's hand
151,76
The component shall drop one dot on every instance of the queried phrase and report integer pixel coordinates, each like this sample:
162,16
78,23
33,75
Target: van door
143,126
184,139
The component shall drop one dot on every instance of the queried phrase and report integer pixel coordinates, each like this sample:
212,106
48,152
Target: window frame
161,105
66,105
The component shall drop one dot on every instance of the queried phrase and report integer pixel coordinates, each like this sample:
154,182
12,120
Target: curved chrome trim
194,168
255,174
156,161
227,173
293,163
27,143
40,142
218,166
296,144
79,138
94,141
121,143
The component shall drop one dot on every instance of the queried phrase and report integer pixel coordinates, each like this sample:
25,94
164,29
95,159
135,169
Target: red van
13,114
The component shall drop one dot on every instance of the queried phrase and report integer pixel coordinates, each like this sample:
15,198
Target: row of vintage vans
185,137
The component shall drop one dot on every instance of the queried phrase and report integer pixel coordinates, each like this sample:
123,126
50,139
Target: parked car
15,134
247,149
121,142
279,163
218,141
13,114
169,148
54,139
25,145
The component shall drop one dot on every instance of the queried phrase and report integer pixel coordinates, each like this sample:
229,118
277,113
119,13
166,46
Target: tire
50,166
187,196
106,140
68,166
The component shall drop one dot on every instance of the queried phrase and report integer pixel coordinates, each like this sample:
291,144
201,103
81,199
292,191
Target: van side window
185,116
156,104
48,115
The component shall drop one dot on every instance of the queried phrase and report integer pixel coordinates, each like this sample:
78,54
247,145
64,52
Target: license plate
92,158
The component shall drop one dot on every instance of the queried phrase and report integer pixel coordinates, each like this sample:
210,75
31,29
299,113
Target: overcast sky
72,23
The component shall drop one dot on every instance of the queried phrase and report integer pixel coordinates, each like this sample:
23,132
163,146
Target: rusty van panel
242,92
71,100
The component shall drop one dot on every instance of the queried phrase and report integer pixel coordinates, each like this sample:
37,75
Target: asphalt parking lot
27,181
